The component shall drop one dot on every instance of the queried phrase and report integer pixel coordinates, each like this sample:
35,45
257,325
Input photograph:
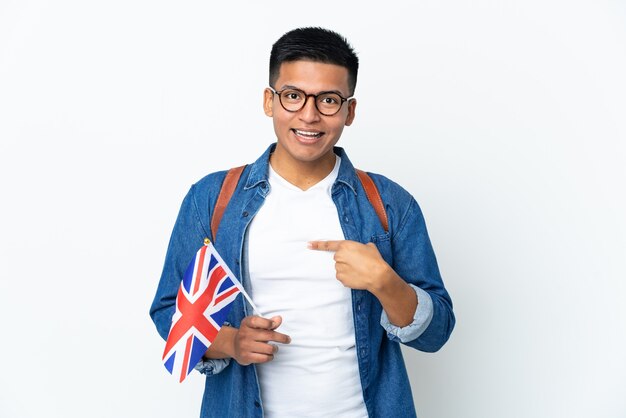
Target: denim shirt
232,389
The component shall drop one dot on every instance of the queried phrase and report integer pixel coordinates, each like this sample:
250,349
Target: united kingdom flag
204,299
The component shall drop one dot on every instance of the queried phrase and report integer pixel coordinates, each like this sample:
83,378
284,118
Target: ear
351,112
268,102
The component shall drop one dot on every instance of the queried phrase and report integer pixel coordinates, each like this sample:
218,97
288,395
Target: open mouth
308,135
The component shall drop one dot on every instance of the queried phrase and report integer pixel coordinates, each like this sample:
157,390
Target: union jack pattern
204,299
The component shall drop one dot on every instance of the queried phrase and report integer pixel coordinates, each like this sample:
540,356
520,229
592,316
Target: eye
292,95
329,99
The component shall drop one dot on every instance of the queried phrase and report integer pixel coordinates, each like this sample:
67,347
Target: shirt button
245,214
257,404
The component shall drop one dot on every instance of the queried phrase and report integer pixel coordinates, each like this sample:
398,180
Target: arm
248,344
417,309
187,236
414,260
360,266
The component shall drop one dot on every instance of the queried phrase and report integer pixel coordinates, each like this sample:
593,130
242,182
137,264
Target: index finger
279,337
324,245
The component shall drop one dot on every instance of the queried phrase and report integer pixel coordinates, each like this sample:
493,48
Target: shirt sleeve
421,319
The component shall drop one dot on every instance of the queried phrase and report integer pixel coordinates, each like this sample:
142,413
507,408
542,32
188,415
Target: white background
506,120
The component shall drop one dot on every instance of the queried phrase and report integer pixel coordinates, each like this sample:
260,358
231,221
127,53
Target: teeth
309,134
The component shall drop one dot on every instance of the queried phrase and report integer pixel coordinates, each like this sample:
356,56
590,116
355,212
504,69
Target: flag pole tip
207,241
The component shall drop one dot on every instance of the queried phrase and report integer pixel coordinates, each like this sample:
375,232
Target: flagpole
254,307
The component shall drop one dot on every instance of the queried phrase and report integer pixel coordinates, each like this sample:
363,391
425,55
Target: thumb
276,321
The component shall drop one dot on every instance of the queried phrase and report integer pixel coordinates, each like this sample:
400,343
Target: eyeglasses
327,103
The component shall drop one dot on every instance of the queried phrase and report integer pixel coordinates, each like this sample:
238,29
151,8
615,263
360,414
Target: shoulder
400,206
391,192
203,193
206,190
210,182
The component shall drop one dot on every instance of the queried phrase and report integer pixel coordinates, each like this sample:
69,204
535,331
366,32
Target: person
338,293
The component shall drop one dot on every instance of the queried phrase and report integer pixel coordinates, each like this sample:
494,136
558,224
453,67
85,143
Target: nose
309,112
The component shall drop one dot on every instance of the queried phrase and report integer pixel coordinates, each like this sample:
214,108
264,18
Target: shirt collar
259,170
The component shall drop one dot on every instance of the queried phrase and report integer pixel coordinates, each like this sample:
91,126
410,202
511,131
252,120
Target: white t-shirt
317,373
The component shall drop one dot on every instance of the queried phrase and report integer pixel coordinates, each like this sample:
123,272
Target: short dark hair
314,44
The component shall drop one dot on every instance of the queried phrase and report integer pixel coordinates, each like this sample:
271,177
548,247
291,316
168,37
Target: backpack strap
226,192
371,191
232,178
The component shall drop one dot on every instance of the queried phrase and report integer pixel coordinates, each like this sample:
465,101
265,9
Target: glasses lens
292,100
328,103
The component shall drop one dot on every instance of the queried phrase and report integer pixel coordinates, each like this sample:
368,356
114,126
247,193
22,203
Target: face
307,137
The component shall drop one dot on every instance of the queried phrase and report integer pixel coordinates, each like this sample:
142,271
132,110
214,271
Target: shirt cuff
210,367
421,319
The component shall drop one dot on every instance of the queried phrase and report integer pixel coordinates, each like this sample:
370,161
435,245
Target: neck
302,174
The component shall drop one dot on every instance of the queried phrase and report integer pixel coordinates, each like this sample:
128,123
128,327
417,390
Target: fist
253,340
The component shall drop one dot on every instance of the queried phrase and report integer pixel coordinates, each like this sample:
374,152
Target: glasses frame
306,98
